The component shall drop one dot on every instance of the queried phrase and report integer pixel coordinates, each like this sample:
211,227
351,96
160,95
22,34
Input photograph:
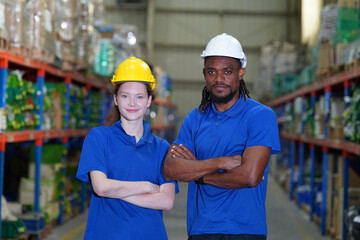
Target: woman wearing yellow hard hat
123,163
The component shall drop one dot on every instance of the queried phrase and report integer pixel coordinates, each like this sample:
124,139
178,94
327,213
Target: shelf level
317,86
30,135
348,147
30,63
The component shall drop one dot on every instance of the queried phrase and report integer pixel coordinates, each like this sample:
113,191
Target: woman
123,163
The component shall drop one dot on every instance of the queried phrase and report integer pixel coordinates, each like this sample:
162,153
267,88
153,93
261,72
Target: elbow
167,172
253,181
100,190
168,206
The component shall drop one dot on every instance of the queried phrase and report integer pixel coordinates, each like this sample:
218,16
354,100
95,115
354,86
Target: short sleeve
93,155
163,151
263,129
185,135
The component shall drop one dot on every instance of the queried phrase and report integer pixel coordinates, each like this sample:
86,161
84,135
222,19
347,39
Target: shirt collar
233,111
147,136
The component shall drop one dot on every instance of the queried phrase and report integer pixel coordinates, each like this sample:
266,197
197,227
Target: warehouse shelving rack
41,71
340,81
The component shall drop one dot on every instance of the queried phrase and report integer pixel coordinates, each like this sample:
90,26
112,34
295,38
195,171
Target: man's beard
223,99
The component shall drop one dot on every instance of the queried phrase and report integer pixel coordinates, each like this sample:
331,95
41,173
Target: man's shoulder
254,105
193,114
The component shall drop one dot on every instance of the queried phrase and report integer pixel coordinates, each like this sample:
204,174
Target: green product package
51,153
12,229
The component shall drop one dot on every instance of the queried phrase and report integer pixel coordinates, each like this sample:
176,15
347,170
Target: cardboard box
325,57
349,3
353,196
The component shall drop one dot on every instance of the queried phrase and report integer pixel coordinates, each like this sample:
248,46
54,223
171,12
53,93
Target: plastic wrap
13,22
48,26
105,58
3,33
65,23
32,24
125,40
65,19
82,34
98,13
328,22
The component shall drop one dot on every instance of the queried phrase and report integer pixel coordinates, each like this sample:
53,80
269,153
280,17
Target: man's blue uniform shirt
211,209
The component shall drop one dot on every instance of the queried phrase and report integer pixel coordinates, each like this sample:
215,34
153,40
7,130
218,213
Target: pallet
67,66
324,73
339,69
41,55
353,65
3,43
20,51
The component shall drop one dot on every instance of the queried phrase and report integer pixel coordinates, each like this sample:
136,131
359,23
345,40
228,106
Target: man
223,150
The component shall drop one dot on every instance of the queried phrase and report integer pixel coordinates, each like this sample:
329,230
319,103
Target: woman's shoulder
99,131
160,140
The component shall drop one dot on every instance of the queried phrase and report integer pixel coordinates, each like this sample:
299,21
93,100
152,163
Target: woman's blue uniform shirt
113,152
212,134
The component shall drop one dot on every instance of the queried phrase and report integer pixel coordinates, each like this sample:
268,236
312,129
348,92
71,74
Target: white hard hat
227,46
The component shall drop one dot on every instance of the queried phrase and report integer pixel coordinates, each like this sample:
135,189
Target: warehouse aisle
285,219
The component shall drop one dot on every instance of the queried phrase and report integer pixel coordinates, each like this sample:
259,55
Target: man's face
223,75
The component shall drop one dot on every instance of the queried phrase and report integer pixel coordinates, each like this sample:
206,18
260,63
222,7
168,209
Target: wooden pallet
41,55
3,43
67,66
354,64
324,73
339,69
21,51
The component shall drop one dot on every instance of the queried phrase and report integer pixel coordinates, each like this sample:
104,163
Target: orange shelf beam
332,144
330,81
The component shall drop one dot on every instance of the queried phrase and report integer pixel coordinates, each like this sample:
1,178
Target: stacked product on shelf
37,30
77,118
116,43
50,181
60,32
352,116
95,109
13,24
21,108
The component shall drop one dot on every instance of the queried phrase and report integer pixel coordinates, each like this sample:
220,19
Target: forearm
249,174
158,201
163,200
187,170
110,188
231,180
121,189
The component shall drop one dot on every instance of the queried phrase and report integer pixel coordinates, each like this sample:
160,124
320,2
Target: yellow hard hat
134,69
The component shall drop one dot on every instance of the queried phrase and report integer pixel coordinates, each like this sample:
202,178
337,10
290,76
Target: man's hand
180,151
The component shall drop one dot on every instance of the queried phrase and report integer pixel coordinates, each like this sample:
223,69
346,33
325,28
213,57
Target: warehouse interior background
57,58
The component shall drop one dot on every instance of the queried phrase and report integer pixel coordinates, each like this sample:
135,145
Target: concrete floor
285,220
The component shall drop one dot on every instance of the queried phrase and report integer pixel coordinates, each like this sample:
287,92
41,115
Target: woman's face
132,100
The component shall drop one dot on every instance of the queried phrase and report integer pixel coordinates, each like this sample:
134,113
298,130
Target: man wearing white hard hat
223,150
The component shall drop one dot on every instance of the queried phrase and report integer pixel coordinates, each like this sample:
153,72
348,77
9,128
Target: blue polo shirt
113,152
211,209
